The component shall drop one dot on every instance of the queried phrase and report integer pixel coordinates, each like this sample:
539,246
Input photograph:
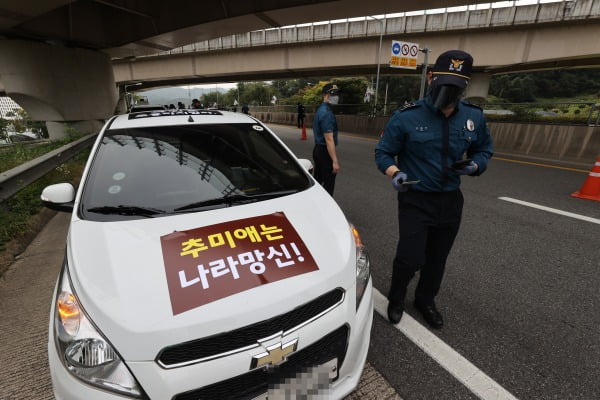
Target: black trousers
323,170
300,120
428,224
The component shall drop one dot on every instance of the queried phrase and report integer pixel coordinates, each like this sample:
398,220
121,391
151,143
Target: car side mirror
59,197
306,164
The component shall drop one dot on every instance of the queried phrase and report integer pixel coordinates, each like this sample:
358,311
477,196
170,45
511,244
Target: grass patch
576,113
14,155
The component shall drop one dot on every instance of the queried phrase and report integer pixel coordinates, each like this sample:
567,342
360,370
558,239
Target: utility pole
378,63
424,72
127,100
385,101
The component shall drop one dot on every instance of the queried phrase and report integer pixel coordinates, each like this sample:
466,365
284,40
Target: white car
204,262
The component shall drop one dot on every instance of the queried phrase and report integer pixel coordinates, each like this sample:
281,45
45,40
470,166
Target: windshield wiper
234,199
126,210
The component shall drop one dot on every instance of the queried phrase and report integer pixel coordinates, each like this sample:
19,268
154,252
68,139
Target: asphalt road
520,295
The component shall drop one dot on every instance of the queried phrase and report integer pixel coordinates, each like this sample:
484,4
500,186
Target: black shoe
431,315
395,312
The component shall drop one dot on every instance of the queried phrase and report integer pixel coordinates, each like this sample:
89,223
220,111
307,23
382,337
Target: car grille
199,349
252,384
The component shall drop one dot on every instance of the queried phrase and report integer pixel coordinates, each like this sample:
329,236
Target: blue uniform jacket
413,140
324,121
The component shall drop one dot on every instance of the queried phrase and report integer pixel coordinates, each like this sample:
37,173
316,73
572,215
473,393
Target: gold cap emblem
456,64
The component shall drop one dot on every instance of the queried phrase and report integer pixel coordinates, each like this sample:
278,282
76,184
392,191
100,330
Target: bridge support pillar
479,86
69,88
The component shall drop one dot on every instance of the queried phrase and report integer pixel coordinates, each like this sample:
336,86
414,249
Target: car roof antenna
190,119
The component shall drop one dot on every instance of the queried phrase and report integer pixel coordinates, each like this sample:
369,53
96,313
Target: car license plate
306,382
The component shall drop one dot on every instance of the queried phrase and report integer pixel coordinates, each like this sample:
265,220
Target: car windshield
155,171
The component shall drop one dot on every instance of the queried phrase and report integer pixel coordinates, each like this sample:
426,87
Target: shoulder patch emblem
407,106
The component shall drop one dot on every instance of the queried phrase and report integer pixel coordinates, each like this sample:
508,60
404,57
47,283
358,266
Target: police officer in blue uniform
325,132
425,142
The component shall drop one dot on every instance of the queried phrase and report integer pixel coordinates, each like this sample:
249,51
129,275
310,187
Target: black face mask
443,96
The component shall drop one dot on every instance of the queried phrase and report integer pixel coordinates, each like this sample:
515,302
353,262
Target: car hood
119,273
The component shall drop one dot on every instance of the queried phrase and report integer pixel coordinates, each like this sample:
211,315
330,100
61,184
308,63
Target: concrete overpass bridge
503,39
57,54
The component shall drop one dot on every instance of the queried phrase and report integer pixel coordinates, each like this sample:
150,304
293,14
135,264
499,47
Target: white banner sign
404,55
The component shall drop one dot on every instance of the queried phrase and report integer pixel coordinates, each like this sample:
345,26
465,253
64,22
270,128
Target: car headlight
83,350
363,266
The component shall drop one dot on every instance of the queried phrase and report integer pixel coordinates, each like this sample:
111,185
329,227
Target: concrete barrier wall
578,143
574,143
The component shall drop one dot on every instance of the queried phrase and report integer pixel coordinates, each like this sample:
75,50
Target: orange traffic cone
591,187
303,131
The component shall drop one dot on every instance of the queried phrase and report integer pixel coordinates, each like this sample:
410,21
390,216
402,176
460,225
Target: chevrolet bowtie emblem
275,354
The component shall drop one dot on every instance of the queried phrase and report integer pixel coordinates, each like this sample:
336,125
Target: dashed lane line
552,210
462,369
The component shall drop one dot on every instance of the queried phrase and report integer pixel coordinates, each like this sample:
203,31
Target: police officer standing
325,132
424,143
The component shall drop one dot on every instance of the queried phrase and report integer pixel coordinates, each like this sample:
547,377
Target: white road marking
469,375
552,210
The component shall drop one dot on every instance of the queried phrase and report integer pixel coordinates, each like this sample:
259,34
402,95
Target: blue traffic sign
396,48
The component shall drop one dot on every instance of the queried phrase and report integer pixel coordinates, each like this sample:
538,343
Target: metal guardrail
15,179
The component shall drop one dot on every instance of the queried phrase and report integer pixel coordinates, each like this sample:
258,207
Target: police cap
453,67
330,88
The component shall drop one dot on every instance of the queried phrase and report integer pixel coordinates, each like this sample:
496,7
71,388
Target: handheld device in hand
410,182
461,163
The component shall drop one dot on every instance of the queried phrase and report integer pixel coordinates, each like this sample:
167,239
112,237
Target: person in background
421,151
325,132
196,104
301,115
246,109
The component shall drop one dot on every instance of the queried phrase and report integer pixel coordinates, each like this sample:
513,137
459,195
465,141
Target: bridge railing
567,113
426,21
358,118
